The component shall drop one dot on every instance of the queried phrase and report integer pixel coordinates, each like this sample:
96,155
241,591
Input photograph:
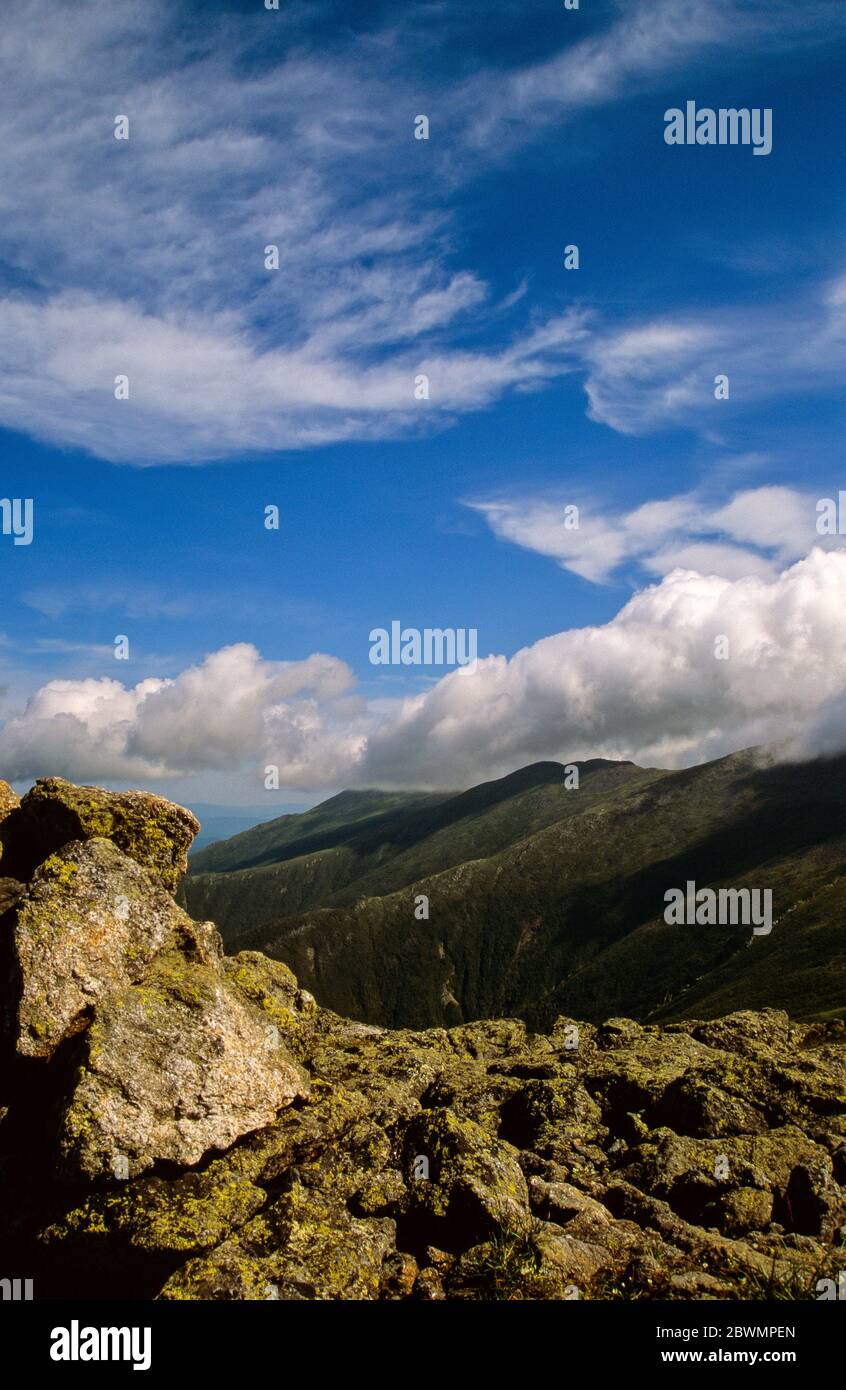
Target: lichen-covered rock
91,922
330,1201
192,1212
9,799
227,1274
399,1275
459,1183
536,1260
692,1174
429,1286
174,1067
769,1268
11,892
746,1033
225,1137
303,1246
738,1212
270,986
316,1249
560,1202
154,832
544,1114
633,1071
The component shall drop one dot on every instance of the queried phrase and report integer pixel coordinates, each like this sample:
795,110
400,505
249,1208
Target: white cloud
662,373
200,389
646,42
777,518
647,686
234,708
145,257
708,557
756,532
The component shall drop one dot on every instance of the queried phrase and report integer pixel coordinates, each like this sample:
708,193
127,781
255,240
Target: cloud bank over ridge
648,685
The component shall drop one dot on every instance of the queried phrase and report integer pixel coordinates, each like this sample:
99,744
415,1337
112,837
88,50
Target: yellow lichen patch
61,871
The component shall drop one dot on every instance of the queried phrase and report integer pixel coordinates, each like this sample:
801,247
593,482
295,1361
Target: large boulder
155,833
91,921
175,1067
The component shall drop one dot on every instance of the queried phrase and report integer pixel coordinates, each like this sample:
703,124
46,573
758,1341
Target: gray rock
154,832
90,922
175,1067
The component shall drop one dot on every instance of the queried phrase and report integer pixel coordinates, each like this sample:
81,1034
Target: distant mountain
335,821
544,900
222,822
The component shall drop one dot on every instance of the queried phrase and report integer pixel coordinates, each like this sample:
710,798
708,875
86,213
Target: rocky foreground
183,1125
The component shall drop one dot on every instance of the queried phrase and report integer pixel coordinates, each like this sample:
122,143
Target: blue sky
294,387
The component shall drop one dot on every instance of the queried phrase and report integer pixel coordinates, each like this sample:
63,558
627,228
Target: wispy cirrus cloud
135,600
661,373
145,257
642,45
139,600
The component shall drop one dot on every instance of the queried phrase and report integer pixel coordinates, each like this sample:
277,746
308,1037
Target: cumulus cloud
757,532
232,709
646,686
649,685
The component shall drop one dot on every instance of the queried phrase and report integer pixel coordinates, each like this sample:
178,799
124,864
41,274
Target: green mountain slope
544,901
333,822
357,845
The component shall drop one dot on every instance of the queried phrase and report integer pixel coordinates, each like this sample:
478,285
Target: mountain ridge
544,900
